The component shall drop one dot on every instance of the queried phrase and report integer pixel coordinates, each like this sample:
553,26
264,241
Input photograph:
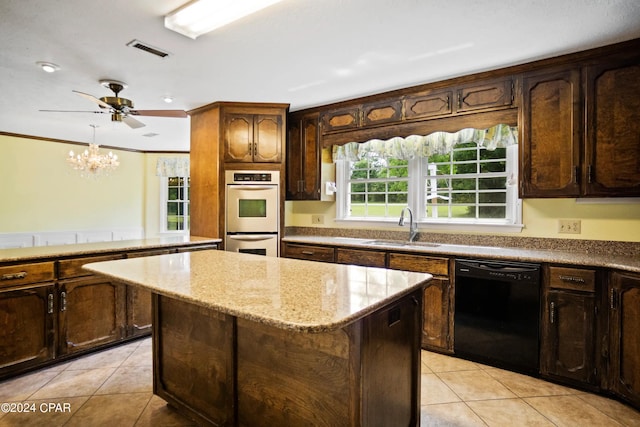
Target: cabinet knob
50,303
552,312
63,301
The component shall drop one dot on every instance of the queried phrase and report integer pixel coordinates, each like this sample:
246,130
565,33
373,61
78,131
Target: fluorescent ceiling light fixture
202,16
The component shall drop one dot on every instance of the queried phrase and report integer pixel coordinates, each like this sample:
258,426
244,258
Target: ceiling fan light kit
199,17
121,109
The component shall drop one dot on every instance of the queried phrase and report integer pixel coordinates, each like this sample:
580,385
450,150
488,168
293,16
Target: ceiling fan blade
159,113
132,123
93,99
75,111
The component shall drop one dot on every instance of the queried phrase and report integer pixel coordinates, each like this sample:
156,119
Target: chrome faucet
413,231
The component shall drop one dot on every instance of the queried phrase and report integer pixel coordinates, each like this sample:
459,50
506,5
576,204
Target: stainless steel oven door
260,244
252,208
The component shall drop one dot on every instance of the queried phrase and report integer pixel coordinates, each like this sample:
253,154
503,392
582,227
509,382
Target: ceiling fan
121,109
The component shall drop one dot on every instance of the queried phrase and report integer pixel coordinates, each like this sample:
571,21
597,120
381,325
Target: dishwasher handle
498,270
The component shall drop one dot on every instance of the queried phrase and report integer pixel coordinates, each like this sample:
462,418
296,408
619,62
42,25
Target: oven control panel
253,177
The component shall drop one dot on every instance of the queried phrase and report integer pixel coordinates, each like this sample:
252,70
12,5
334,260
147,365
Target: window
464,178
175,204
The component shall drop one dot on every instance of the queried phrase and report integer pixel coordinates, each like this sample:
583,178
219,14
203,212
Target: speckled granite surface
617,255
297,295
45,252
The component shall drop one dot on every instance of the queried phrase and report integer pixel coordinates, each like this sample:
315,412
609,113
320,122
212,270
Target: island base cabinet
222,370
27,332
193,360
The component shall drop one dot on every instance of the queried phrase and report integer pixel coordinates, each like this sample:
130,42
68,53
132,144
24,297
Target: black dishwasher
497,313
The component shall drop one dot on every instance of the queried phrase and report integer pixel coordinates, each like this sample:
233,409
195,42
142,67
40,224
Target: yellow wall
611,221
40,192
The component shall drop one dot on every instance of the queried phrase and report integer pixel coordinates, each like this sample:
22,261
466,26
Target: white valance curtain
172,166
499,136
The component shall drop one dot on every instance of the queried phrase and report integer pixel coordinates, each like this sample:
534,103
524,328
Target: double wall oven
252,212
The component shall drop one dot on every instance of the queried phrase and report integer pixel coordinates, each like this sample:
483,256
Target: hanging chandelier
91,163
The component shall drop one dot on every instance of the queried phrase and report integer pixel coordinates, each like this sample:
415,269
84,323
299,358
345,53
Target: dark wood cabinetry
303,157
55,310
580,129
569,325
91,313
550,134
624,336
253,138
27,332
308,252
364,257
364,115
612,155
437,323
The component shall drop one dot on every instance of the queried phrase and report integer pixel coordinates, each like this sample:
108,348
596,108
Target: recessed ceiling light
48,67
168,99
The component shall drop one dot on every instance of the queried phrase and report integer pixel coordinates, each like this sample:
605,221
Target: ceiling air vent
147,48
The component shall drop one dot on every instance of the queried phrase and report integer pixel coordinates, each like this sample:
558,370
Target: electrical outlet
317,219
569,226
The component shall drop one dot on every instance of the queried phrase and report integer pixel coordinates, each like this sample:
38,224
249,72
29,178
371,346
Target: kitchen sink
399,243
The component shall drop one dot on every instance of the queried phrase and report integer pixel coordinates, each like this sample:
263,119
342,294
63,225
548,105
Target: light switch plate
569,226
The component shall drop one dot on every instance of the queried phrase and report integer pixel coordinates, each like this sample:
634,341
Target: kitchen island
242,339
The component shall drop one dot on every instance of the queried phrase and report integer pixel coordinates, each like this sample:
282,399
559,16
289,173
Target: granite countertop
37,253
302,296
621,262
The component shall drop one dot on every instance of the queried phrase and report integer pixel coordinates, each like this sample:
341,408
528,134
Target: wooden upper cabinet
341,119
252,138
489,95
612,152
432,104
550,134
369,114
303,157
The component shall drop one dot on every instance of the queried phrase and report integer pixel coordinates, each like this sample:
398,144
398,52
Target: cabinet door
490,95
303,158
624,296
437,316
91,313
612,154
568,349
381,112
27,332
550,135
238,137
341,119
267,139
432,104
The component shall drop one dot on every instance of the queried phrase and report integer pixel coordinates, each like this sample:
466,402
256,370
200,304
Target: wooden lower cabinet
624,336
223,370
367,258
27,331
308,252
437,323
569,326
568,349
139,317
91,313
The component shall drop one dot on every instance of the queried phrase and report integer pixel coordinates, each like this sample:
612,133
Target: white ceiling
302,52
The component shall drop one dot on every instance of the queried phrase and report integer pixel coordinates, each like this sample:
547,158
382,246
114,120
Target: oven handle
252,237
253,187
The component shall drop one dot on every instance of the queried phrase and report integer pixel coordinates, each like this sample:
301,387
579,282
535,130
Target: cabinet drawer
22,274
361,257
149,253
572,278
312,253
73,267
422,264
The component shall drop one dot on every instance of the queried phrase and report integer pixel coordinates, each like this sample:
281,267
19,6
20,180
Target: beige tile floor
114,388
